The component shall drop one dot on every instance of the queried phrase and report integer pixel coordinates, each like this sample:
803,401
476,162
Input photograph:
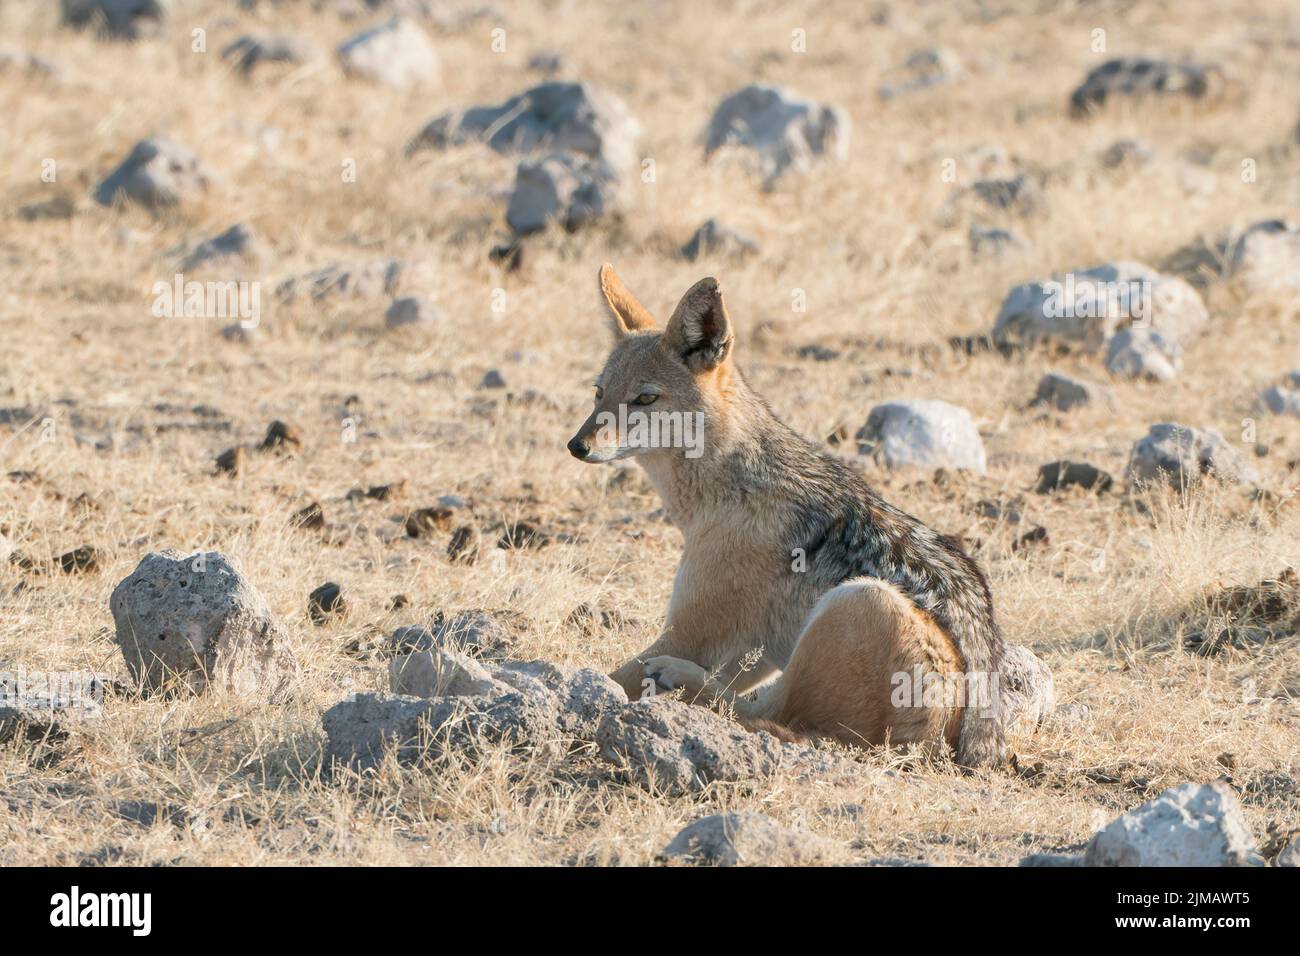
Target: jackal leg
861,642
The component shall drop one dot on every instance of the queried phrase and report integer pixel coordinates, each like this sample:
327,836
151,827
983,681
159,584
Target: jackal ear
700,330
628,314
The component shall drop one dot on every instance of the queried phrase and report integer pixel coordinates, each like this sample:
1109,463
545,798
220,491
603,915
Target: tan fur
737,615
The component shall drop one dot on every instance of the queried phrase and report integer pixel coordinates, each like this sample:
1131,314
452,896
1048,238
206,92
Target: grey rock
747,839
923,69
714,238
1188,825
191,622
784,131
567,118
477,632
493,378
440,672
1019,194
993,241
1051,859
1126,153
674,747
118,19
923,433
254,49
238,245
529,706
1289,856
397,54
359,280
584,695
411,310
46,713
1127,77
157,172
1083,309
1180,455
1027,693
1144,353
566,188
1059,475
1066,393
1281,401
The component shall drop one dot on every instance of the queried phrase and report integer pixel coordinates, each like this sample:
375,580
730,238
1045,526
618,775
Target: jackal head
659,386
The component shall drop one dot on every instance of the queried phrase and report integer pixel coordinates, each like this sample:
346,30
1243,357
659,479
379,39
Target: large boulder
193,622
565,188
571,118
747,839
117,19
1180,455
1084,309
397,53
157,172
1188,825
923,433
1136,76
784,131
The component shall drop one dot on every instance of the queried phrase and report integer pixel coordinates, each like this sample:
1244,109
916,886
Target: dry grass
887,283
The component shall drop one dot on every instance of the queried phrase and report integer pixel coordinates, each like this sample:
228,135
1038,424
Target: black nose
578,448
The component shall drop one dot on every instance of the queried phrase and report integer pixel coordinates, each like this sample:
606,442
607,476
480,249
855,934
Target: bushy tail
982,742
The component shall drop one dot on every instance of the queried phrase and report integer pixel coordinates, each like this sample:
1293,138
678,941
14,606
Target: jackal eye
647,398
600,393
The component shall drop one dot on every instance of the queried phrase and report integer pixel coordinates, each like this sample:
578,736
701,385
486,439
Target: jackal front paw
671,673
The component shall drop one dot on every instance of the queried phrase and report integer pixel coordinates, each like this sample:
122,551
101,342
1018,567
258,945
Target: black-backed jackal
792,563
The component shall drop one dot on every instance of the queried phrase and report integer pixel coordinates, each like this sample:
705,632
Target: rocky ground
1031,271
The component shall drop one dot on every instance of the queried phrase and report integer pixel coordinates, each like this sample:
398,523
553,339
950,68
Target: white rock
1267,256
397,53
1188,825
923,433
1144,353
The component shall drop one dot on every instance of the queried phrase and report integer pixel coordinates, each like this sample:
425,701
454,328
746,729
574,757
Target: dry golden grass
887,283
